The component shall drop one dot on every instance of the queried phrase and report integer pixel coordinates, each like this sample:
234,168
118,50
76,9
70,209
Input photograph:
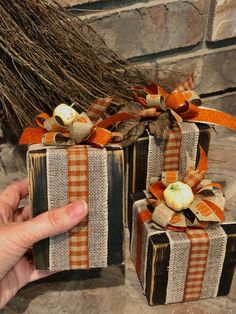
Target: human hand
18,232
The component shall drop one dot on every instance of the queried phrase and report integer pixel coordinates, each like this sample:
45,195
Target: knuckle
55,219
5,213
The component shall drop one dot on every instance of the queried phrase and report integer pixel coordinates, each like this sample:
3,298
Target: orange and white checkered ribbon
172,150
193,177
78,189
199,247
98,107
186,85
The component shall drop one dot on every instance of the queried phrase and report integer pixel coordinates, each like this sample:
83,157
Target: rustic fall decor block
59,175
181,266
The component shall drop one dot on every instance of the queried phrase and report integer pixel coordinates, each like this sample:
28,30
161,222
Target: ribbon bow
68,127
160,110
183,102
206,205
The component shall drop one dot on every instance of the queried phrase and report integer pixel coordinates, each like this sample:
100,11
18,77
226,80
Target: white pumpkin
178,196
65,114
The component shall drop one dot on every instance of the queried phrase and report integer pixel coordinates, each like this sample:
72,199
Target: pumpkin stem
175,187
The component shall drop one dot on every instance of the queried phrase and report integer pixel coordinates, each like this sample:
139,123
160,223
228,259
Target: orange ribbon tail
215,117
219,213
100,138
203,163
31,136
118,117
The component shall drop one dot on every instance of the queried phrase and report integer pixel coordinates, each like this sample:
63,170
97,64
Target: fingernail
78,209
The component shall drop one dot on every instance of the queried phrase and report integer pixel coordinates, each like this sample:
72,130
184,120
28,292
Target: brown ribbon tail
213,116
118,117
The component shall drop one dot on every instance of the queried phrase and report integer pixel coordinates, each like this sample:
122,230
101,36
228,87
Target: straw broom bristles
49,57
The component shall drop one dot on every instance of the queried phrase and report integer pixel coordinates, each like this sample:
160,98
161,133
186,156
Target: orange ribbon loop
215,117
41,118
100,137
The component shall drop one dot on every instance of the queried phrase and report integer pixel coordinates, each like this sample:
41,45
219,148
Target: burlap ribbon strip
74,173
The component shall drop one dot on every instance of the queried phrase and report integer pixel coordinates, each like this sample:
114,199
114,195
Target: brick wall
171,36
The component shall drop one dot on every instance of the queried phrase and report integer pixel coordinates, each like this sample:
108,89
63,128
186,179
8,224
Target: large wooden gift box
182,266
144,159
60,175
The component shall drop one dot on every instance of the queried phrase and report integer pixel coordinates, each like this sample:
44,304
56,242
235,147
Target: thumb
51,223
16,238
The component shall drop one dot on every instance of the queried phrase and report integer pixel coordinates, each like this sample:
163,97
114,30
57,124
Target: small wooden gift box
60,175
182,266
145,158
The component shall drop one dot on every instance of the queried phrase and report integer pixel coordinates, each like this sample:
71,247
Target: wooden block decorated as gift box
60,175
145,158
170,124
61,170
177,266
183,241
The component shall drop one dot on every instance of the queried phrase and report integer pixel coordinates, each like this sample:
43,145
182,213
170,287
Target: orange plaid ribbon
172,149
78,189
199,247
98,107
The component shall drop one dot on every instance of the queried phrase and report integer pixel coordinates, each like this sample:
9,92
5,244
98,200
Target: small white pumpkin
65,114
178,196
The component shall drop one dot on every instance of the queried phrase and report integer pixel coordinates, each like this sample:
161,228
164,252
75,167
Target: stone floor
116,290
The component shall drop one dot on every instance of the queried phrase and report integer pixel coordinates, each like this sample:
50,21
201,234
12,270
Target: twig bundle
49,57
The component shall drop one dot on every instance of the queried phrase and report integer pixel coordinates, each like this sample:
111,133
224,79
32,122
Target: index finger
14,193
